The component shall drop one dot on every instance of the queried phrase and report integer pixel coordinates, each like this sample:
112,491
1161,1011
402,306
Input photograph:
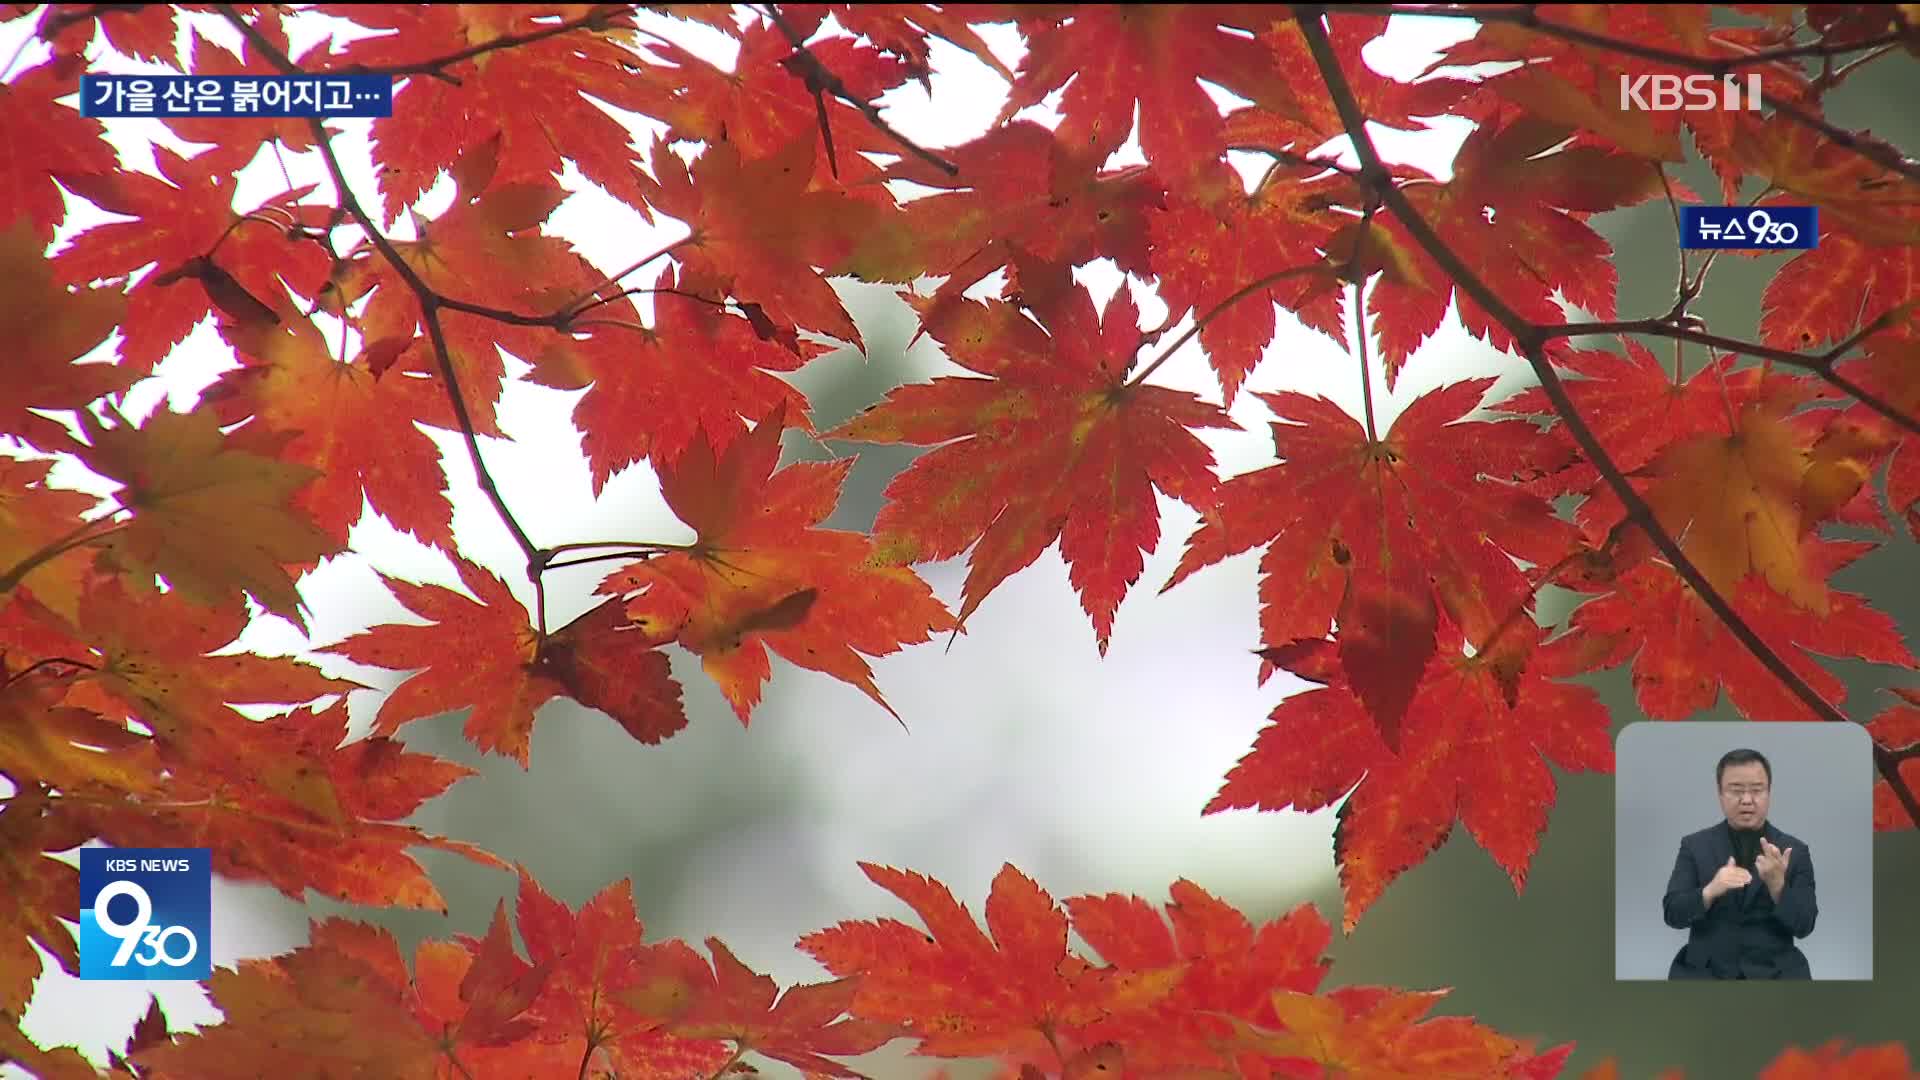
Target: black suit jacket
1744,935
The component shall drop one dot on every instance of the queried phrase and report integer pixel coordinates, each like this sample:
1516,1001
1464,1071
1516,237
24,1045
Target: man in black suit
1742,889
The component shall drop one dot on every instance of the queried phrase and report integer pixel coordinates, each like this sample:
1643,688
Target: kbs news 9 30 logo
145,913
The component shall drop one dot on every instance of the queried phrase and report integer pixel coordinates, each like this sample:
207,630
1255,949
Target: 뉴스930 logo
144,913
1770,228
1690,93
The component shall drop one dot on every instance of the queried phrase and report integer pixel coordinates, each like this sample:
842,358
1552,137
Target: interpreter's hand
1772,865
1728,878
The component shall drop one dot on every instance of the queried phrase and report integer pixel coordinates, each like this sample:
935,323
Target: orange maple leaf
731,1001
1057,444
1733,502
964,993
1378,1032
595,960
207,255
761,576
184,481
1467,750
48,327
1375,534
482,652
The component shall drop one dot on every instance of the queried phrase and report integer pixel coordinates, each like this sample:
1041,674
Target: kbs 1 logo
145,913
1689,93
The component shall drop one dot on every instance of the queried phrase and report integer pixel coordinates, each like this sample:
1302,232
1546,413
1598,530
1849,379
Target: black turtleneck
1746,844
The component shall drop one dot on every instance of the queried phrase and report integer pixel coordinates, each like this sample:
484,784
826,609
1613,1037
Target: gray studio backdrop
1822,794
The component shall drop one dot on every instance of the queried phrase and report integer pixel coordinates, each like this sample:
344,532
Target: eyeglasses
1740,792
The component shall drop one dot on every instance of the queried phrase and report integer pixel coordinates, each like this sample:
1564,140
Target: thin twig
79,537
48,662
430,301
817,74
1532,344
1200,323
614,279
593,20
1822,366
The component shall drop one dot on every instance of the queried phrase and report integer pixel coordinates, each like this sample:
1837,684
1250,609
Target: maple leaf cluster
1400,568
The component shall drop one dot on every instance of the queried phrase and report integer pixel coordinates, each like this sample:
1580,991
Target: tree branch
818,75
430,301
1532,343
1821,366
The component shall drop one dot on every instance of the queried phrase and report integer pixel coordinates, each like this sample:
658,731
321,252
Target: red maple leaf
1212,245
760,575
1021,199
354,429
1372,533
1516,214
758,227
1056,444
1897,728
696,372
594,958
43,138
1684,656
1465,752
1849,281
964,993
203,254
1230,968
143,32
1155,55
537,98
482,652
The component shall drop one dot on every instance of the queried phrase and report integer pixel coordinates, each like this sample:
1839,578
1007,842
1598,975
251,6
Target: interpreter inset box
1743,851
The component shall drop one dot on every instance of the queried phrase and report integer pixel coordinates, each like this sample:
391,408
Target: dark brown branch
818,76
430,301
1820,366
1532,343
1527,17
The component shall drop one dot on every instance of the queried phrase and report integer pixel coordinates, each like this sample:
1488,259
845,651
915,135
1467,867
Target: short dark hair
1742,756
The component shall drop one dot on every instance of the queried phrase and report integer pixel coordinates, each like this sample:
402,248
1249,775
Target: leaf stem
611,279
1200,323
47,662
1366,375
77,538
